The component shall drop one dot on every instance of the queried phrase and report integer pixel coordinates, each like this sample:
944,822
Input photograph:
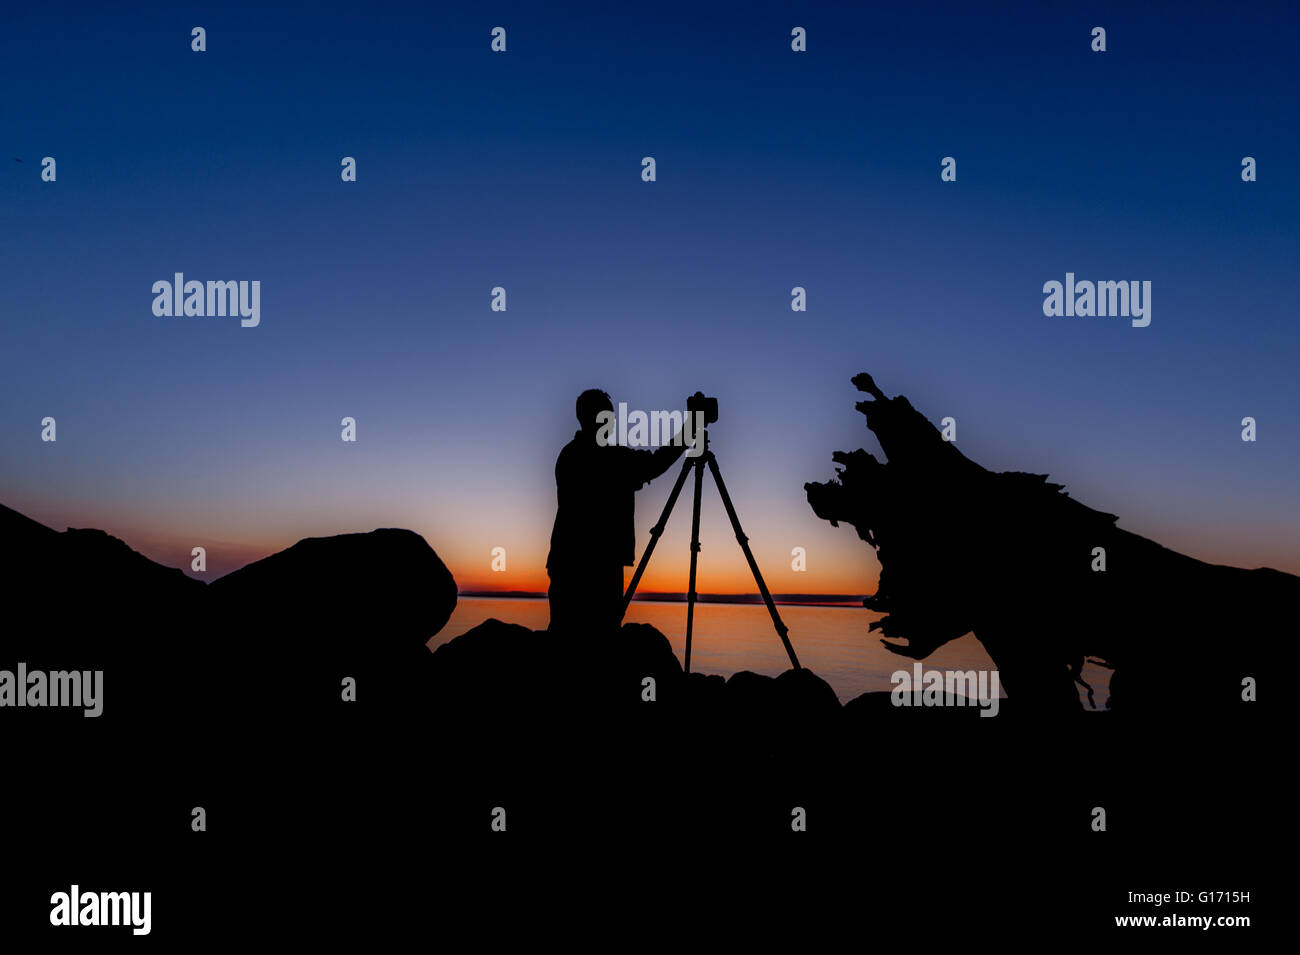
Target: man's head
590,404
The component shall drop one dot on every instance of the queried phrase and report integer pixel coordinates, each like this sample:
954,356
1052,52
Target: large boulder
357,607
372,591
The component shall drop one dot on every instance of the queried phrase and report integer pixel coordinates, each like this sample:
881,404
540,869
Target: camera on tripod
699,403
707,408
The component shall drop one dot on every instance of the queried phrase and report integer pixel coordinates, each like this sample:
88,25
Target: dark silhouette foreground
1010,556
228,697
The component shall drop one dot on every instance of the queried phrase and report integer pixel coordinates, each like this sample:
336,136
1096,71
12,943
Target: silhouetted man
594,536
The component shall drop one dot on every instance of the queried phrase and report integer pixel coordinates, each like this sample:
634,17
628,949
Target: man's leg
613,589
564,597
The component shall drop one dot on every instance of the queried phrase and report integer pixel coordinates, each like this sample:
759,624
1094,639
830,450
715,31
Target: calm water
831,641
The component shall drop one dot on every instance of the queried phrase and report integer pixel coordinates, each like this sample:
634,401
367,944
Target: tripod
697,464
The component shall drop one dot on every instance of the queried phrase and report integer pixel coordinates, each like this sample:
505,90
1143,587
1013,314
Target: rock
769,711
87,587
645,651
495,666
804,691
371,595
705,692
83,600
356,607
509,681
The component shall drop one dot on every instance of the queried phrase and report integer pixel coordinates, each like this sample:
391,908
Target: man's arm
648,465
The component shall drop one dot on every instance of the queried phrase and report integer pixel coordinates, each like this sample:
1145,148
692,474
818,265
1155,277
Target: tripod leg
781,629
695,553
655,533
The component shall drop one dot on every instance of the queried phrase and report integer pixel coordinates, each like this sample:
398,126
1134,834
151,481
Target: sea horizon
790,599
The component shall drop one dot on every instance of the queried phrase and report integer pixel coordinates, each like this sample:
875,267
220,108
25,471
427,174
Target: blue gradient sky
523,170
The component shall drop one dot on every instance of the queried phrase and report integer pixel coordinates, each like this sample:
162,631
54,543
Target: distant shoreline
801,600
